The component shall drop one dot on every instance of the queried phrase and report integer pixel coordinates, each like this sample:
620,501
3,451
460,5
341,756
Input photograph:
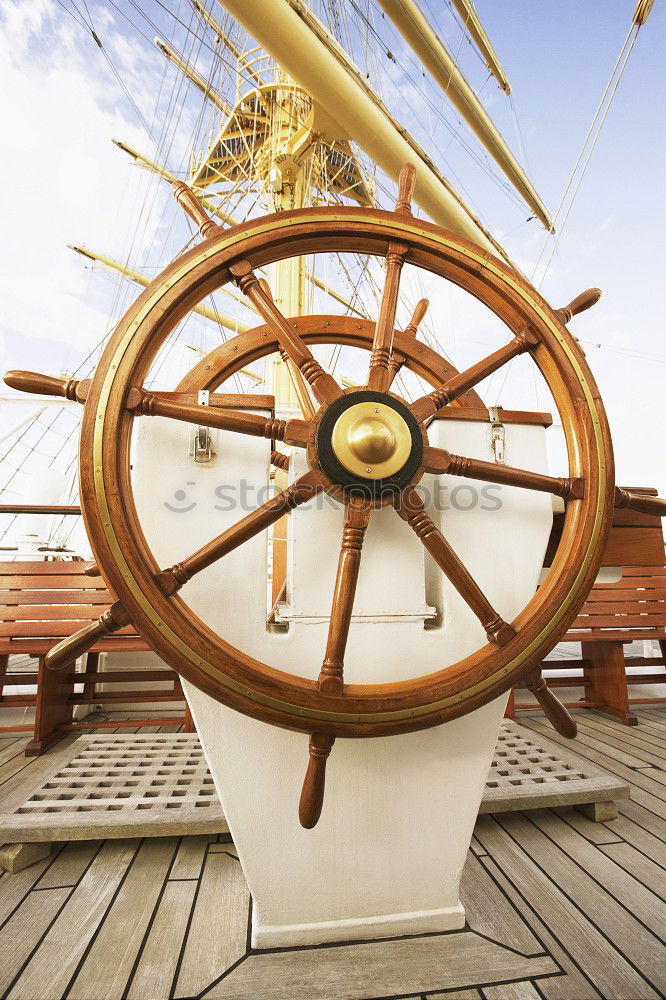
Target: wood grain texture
345,972
208,953
125,924
52,969
357,516
24,930
161,951
512,847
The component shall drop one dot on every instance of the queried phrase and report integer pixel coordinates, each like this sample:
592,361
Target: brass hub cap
370,442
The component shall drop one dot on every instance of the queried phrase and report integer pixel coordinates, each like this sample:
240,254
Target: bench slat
654,610
619,635
619,621
39,646
48,629
46,612
20,598
50,582
622,594
33,567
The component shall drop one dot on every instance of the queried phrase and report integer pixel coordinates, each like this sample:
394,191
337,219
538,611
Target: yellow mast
300,44
414,27
477,33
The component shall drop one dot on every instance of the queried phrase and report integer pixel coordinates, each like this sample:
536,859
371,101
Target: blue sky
62,180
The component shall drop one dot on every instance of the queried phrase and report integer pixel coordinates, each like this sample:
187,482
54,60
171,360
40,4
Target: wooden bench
42,602
614,615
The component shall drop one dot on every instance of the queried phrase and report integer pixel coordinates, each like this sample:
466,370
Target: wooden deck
557,907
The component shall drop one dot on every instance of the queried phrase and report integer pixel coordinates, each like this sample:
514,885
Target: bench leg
91,667
4,663
188,725
53,707
605,679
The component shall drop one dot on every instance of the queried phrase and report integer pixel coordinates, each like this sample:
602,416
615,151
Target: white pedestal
386,856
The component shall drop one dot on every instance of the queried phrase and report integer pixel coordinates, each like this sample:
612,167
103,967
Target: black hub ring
375,489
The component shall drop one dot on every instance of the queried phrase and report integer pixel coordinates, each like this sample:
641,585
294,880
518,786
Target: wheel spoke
553,709
643,502
357,515
411,509
379,377
295,377
382,344
324,386
438,460
169,404
427,406
304,489
398,360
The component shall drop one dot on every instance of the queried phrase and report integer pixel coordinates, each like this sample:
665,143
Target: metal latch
201,444
497,435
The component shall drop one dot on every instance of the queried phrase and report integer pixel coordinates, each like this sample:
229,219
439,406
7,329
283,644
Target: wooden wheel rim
191,647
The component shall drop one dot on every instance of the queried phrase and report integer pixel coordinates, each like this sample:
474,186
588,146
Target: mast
191,73
300,44
477,33
419,35
142,279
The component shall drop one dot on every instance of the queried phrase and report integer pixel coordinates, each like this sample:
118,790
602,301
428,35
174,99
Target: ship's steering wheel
366,447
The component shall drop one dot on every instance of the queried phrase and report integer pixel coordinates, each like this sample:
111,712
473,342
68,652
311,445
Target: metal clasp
497,435
201,444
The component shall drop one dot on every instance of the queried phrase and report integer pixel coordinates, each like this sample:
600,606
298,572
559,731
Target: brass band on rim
371,440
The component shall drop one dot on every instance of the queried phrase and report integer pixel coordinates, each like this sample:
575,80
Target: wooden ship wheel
366,447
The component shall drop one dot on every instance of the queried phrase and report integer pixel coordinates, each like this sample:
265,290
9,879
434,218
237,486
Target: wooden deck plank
477,847
190,857
622,929
636,735
70,864
14,888
110,961
652,718
489,912
648,727
55,962
24,930
632,747
158,962
12,749
640,837
639,867
641,902
644,790
218,932
393,968
510,991
456,995
572,984
575,930
655,773
597,833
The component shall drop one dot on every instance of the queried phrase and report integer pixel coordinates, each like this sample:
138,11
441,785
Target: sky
62,181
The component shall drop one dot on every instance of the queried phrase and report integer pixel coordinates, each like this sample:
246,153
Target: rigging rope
590,140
